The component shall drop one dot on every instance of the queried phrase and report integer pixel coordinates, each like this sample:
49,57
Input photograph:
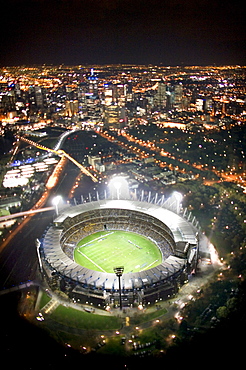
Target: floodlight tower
178,198
115,185
55,203
119,188
119,272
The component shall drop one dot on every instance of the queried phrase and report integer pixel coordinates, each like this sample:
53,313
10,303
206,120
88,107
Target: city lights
148,162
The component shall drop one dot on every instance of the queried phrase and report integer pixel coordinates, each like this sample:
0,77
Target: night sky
171,32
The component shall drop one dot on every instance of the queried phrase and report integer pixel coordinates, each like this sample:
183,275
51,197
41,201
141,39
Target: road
18,258
152,147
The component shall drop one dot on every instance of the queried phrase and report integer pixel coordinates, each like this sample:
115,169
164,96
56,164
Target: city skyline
135,32
169,138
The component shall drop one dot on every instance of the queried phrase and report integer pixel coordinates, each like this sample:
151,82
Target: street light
55,202
119,272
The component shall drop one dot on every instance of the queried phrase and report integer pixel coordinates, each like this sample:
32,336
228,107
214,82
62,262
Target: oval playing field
104,250
156,247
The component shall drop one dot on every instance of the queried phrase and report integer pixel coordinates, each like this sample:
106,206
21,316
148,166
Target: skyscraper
38,97
178,94
92,79
161,97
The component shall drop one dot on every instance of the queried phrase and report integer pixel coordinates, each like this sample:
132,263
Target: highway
18,258
152,147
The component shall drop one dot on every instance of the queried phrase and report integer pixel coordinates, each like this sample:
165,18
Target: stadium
152,240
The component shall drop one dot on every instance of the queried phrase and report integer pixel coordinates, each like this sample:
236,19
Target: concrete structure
176,237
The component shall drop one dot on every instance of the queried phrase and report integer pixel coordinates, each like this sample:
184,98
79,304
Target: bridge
61,153
26,213
17,287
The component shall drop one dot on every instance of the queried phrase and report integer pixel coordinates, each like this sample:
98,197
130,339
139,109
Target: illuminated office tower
38,96
161,96
93,83
71,108
208,105
111,116
199,104
121,94
129,91
178,94
108,93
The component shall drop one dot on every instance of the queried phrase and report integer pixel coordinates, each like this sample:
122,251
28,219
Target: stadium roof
181,228
59,261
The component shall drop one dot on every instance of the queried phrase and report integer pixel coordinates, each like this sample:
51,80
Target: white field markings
136,258
132,255
129,253
94,263
92,249
96,239
109,259
149,265
108,253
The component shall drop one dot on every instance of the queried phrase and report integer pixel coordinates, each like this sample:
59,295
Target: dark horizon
93,65
74,32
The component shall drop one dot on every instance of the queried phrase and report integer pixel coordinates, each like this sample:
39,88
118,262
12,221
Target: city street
18,259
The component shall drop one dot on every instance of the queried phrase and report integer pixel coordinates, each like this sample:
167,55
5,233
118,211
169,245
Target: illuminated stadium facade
176,237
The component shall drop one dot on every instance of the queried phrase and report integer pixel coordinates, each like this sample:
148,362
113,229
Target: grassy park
83,320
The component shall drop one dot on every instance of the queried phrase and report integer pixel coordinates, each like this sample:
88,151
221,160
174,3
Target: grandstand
172,236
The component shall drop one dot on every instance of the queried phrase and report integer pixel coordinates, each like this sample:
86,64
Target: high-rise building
93,83
121,94
129,91
109,93
71,107
111,116
178,94
161,97
199,104
123,119
38,97
208,104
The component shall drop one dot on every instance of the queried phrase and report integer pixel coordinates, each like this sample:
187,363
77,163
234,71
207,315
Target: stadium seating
149,220
87,223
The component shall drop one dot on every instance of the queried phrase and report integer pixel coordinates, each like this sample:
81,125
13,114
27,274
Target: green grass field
105,250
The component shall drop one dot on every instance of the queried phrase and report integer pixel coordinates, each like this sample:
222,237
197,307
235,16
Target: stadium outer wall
176,238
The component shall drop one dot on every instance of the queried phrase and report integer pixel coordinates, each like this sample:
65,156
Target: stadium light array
119,272
178,197
55,203
119,185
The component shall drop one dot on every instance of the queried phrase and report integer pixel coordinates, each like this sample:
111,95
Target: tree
222,312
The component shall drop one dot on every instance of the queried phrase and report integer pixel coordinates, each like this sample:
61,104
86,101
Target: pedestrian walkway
50,306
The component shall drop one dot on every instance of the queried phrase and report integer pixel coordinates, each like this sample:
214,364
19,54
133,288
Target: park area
107,249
